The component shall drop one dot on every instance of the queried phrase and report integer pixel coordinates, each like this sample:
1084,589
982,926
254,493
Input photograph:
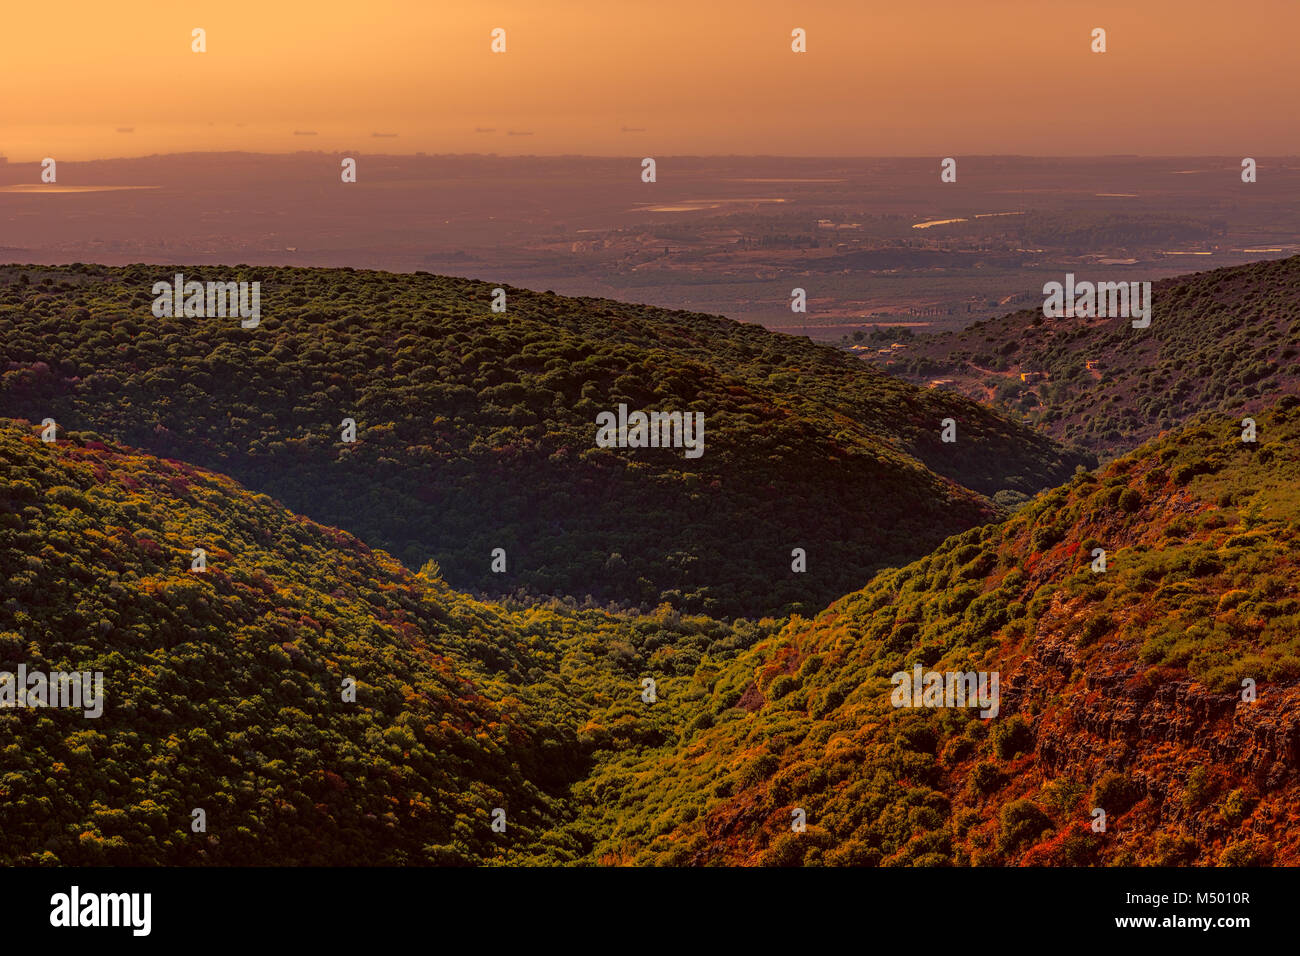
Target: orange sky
916,77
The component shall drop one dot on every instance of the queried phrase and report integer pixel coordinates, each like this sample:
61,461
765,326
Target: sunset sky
942,77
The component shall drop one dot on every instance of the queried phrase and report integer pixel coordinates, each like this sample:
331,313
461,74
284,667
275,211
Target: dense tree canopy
476,430
225,688
1226,340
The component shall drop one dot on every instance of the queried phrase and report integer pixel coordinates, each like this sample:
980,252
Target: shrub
957,750
1236,807
783,685
917,736
788,850
1198,787
758,770
1096,628
1012,738
1175,850
985,777
1115,792
1021,822
1241,853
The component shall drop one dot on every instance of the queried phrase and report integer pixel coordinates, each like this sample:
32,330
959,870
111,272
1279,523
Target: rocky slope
1120,690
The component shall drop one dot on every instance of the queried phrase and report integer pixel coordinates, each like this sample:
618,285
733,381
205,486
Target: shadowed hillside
476,430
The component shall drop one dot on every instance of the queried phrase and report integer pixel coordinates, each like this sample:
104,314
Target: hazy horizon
926,157
874,241
670,78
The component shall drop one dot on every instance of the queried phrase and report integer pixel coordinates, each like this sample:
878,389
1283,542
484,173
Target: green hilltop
475,430
1225,340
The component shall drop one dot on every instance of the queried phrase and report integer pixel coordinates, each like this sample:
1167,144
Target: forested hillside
475,430
323,703
225,689
1225,341
1121,690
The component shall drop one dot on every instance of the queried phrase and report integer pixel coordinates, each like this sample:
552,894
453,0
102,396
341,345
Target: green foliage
224,685
986,777
1021,822
1131,500
1115,792
223,689
1176,617
476,430
1236,807
1012,737
1222,342
1199,789
1096,628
